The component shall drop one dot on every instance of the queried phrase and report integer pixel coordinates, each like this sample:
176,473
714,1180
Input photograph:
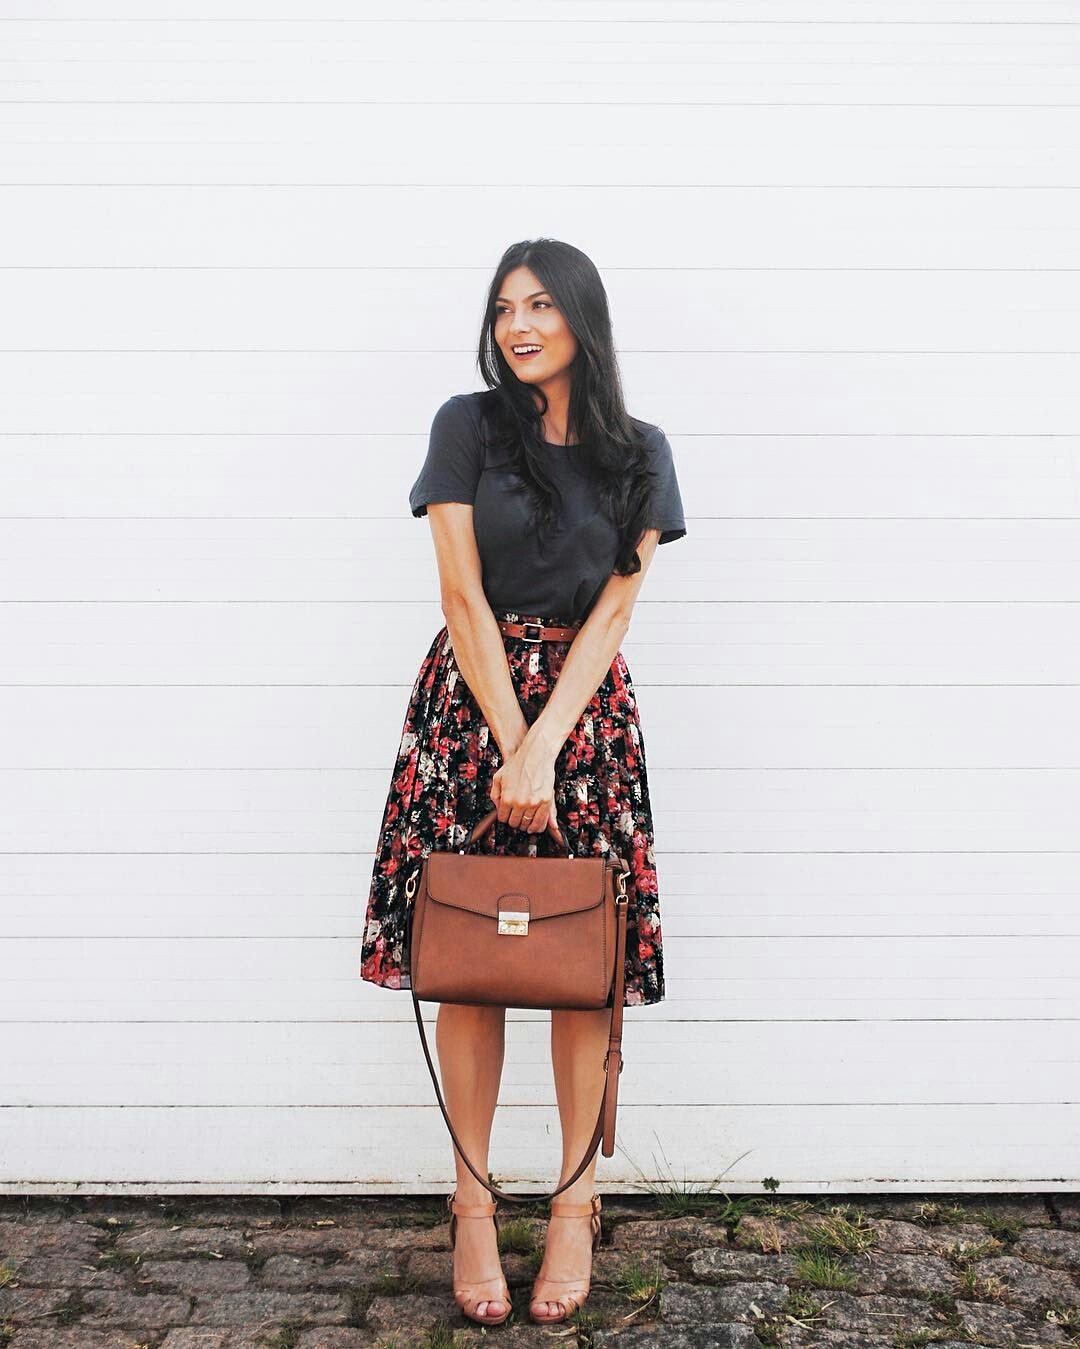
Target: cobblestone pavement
680,1271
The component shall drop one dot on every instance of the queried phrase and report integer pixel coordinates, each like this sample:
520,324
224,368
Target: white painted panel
306,978
703,225
342,558
326,730
243,258
987,393
757,642
849,893
841,1146
716,309
328,1063
302,122
704,811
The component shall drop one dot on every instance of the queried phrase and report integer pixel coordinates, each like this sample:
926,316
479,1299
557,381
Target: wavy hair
615,442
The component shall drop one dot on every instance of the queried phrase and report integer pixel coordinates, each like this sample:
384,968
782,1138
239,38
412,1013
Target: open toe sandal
569,1294
468,1296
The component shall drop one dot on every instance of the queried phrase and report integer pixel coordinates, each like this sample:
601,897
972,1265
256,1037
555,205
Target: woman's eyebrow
528,297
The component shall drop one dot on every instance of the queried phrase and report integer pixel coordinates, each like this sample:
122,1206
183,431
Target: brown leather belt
537,632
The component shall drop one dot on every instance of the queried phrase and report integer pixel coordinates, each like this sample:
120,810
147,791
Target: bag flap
552,885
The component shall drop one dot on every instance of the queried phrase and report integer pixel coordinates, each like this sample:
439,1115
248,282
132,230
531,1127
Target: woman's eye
502,309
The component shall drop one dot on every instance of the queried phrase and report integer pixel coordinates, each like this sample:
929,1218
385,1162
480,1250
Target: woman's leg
578,1044
470,1042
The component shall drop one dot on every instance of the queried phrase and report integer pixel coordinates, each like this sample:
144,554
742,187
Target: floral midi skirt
441,783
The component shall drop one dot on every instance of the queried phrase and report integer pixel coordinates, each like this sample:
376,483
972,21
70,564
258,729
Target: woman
547,502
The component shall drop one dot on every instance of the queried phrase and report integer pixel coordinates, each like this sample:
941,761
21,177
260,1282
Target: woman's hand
523,788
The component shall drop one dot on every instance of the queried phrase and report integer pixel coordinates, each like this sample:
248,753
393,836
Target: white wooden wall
243,259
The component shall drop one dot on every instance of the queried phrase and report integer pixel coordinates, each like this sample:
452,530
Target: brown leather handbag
511,931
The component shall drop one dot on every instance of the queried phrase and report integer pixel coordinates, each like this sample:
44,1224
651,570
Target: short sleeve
455,459
666,512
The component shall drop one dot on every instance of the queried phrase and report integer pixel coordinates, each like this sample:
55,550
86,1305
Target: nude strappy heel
464,1293
569,1294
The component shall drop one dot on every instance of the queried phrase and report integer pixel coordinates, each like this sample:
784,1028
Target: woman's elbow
457,599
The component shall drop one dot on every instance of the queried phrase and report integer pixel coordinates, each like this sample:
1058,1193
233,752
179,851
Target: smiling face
527,316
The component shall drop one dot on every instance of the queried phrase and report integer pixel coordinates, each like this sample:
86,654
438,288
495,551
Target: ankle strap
470,1210
572,1210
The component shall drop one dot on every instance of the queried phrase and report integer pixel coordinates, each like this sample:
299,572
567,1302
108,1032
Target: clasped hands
523,788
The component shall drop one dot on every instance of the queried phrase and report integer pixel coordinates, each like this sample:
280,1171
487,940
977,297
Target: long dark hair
614,441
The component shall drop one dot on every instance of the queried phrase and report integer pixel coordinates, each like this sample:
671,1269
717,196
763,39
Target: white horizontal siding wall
243,260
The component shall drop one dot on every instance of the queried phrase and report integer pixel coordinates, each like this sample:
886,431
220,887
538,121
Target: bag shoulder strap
613,1065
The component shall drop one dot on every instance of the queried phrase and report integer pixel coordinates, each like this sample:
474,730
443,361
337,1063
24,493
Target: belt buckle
539,631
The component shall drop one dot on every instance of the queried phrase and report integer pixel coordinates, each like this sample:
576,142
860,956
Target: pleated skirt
440,785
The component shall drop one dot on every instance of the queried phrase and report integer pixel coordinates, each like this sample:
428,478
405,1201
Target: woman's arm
474,634
587,662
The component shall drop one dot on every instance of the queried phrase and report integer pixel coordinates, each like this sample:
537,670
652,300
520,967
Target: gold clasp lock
514,922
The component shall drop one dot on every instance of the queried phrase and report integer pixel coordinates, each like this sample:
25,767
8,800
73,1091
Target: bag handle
482,825
558,833
613,1060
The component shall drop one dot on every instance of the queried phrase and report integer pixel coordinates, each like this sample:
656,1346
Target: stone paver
311,1272
1002,1326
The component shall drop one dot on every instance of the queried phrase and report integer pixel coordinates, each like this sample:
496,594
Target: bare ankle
472,1192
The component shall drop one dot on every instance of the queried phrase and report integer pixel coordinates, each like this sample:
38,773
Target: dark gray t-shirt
579,553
